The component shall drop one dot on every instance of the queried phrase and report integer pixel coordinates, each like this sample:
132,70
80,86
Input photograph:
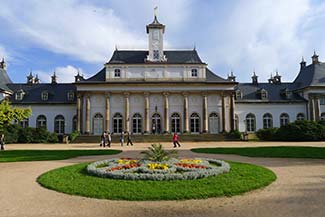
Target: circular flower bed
172,169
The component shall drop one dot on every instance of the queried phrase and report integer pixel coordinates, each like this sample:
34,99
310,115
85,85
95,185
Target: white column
166,111
186,120
146,112
107,113
127,112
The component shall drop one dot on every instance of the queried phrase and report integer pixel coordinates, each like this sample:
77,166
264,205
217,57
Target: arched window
267,121
250,123
137,123
175,121
195,123
59,124
156,123
41,121
214,123
24,123
322,116
284,119
74,123
117,123
300,117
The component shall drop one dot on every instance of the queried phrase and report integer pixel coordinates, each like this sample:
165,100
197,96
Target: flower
126,161
157,166
193,161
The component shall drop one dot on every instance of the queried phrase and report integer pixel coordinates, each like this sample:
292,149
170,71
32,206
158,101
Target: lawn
75,181
42,155
280,151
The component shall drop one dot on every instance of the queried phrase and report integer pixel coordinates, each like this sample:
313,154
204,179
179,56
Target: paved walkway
298,191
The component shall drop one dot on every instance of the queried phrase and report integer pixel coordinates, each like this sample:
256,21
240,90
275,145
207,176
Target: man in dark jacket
2,141
129,139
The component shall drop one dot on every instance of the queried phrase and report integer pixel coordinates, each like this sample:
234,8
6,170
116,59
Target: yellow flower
155,166
190,161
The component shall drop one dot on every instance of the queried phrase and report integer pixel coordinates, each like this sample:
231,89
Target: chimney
315,58
78,77
302,63
30,78
277,78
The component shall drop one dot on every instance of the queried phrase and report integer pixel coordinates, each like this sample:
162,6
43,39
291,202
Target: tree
8,114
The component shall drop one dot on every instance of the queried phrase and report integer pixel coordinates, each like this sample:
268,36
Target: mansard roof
140,56
312,75
57,93
250,92
4,80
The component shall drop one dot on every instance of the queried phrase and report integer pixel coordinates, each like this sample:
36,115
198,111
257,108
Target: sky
242,36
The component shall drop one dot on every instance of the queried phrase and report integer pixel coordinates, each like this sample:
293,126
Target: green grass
281,151
75,181
42,155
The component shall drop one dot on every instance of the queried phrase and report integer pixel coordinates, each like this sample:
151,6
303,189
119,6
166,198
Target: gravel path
298,191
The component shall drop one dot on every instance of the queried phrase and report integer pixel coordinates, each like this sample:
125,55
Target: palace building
159,91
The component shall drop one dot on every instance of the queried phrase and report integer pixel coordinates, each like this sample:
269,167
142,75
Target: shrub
302,131
157,153
296,131
234,134
16,134
267,134
73,136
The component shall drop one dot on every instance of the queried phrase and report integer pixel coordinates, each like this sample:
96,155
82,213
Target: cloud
261,35
65,74
82,31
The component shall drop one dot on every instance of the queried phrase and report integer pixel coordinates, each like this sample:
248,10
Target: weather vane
155,10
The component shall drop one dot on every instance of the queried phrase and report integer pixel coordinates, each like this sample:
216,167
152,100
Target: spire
30,78
315,58
231,77
3,64
277,78
78,77
254,78
271,78
36,79
302,63
54,78
155,23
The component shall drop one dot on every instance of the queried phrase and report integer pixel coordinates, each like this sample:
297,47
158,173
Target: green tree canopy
8,114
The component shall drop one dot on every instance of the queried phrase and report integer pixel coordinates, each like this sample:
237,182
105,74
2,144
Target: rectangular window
71,96
156,54
117,73
322,100
194,73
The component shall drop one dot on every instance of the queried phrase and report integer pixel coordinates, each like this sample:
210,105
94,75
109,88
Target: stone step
154,138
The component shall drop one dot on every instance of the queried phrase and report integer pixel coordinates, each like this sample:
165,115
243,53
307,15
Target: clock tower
155,31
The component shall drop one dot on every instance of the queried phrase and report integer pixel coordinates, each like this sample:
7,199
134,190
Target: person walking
129,140
122,138
2,141
108,139
175,140
102,139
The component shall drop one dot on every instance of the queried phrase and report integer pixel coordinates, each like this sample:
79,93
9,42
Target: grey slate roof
250,92
139,57
4,80
311,75
57,93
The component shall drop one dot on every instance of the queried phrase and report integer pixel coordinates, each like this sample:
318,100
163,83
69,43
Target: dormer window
20,95
238,94
285,93
71,96
263,94
117,73
45,95
194,73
